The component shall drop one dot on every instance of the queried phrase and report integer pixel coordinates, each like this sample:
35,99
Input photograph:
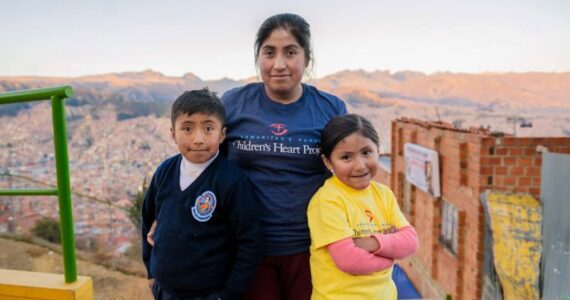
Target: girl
357,228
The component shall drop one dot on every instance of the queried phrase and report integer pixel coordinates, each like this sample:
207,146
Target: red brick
487,142
507,161
501,171
525,161
535,192
516,151
496,161
509,180
532,171
516,171
509,141
498,180
524,181
501,151
483,181
523,141
538,161
487,171
536,181
464,179
530,151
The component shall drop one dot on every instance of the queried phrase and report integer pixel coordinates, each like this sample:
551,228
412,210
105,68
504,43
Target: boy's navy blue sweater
208,237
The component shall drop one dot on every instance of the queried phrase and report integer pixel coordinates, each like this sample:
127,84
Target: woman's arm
356,261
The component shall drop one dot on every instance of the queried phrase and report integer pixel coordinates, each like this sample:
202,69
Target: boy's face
198,136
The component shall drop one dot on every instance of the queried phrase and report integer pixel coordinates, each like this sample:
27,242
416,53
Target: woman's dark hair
340,127
198,101
292,23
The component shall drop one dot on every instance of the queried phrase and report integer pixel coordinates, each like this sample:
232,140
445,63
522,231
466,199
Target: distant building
451,227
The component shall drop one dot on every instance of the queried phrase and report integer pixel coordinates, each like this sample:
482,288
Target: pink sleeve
397,245
356,261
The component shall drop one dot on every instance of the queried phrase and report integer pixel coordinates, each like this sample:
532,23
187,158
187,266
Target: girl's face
282,64
354,160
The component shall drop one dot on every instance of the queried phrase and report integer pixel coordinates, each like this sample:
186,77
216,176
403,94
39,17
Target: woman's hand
150,234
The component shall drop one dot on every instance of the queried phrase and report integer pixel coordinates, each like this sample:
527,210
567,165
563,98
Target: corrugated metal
491,285
516,238
555,196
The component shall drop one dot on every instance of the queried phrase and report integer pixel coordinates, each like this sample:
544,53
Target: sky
214,39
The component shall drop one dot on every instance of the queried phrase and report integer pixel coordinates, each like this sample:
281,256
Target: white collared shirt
189,171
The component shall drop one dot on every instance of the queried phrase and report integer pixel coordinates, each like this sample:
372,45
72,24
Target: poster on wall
422,168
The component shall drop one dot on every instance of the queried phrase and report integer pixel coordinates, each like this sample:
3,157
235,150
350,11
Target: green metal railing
63,191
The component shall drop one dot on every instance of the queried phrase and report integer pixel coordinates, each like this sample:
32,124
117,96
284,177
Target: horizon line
389,71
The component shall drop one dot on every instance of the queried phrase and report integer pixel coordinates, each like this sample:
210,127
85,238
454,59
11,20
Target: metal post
64,188
57,95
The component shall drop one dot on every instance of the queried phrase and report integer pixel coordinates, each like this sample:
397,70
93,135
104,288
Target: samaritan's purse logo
278,129
204,206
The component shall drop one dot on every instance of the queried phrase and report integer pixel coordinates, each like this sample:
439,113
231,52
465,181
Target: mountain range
484,99
379,87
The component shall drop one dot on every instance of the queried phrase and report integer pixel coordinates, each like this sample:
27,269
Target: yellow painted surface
35,285
517,243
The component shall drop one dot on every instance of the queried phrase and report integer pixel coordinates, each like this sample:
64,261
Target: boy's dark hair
198,101
292,23
342,126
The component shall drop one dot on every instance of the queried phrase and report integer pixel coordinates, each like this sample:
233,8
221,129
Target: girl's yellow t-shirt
337,212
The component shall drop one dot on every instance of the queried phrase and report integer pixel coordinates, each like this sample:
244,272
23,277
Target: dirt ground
107,284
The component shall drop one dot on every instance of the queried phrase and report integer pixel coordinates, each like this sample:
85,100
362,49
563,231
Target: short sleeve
397,218
327,218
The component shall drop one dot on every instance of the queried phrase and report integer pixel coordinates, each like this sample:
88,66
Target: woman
273,134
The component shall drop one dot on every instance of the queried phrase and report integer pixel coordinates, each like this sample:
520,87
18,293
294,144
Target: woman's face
282,64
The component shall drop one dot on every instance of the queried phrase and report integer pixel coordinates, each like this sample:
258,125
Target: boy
206,241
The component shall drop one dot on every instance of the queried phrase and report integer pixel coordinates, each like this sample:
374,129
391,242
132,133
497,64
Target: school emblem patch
204,206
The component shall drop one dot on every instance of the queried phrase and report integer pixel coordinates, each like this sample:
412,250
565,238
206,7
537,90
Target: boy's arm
356,261
241,206
147,218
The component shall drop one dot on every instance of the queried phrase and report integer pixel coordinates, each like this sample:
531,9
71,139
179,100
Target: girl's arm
356,261
398,245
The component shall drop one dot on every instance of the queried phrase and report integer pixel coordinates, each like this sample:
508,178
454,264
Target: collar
190,169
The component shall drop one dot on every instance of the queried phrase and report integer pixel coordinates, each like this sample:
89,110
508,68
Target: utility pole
523,122
515,120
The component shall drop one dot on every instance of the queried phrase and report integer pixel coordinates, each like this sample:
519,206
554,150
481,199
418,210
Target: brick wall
471,161
449,273
513,164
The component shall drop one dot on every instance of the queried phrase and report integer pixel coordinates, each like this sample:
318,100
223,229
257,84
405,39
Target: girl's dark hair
340,127
198,101
292,23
